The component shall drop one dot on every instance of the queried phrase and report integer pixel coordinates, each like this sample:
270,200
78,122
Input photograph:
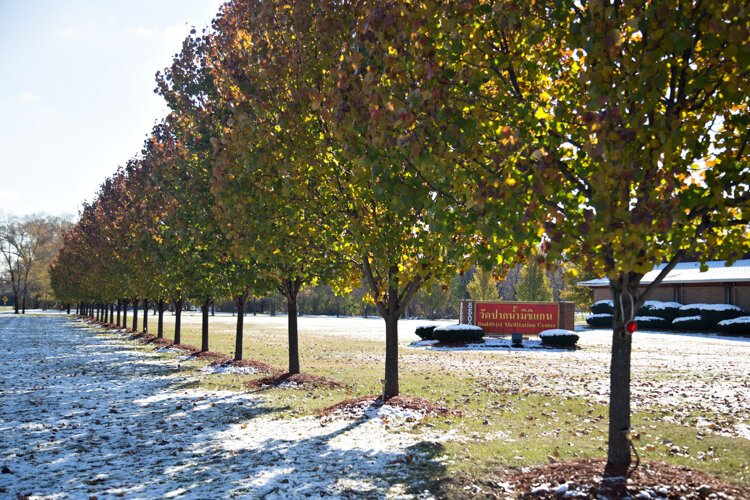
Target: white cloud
28,98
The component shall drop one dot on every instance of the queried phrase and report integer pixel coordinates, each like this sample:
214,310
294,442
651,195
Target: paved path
85,414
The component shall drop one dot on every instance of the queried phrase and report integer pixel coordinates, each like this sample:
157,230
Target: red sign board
516,317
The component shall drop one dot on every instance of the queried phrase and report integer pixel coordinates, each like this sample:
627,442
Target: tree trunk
240,299
160,327
124,314
624,295
177,319
135,315
291,303
67,308
213,309
23,306
205,310
391,355
145,315
112,312
15,303
119,310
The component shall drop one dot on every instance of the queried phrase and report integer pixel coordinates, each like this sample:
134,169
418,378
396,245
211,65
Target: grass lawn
514,408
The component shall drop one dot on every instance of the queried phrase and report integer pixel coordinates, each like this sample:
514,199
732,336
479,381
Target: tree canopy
411,140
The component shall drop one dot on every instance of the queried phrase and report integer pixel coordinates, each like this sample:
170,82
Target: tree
198,114
432,302
26,246
407,155
533,284
629,123
582,296
483,285
270,201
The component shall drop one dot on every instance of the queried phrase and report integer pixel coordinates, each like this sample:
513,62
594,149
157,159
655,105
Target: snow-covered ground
88,414
85,414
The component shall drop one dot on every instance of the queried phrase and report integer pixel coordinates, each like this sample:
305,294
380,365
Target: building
686,284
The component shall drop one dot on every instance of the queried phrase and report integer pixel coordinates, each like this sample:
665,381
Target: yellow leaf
541,114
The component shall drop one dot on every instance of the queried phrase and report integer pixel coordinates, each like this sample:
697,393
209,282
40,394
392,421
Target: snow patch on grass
223,369
103,419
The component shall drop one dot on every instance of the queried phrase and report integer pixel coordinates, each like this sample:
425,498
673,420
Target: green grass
495,429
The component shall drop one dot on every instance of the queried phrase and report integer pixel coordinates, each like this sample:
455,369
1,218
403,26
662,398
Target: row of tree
394,143
524,283
27,247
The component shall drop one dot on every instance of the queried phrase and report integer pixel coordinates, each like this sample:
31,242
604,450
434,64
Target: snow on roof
690,272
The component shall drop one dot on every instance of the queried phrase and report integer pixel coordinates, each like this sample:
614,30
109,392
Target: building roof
690,272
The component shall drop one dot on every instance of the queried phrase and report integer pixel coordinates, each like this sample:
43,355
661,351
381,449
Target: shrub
602,307
657,308
458,333
425,332
712,313
600,320
739,326
692,323
652,322
559,338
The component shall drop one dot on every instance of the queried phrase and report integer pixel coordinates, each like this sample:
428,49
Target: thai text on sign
516,317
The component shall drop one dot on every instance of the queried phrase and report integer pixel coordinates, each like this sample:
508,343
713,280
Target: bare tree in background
26,244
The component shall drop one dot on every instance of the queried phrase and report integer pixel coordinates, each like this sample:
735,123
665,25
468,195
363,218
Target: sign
5,300
512,317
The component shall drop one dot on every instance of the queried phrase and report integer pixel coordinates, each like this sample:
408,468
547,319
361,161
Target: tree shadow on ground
85,414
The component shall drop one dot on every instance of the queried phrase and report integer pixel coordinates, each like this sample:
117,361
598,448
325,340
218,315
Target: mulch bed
300,379
162,341
146,338
403,402
190,349
657,479
220,356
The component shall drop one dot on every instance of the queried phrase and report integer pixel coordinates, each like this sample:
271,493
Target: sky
77,99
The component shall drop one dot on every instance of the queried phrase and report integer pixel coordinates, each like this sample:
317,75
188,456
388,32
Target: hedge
736,326
600,320
425,332
458,333
656,308
602,307
652,322
561,338
697,322
711,314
